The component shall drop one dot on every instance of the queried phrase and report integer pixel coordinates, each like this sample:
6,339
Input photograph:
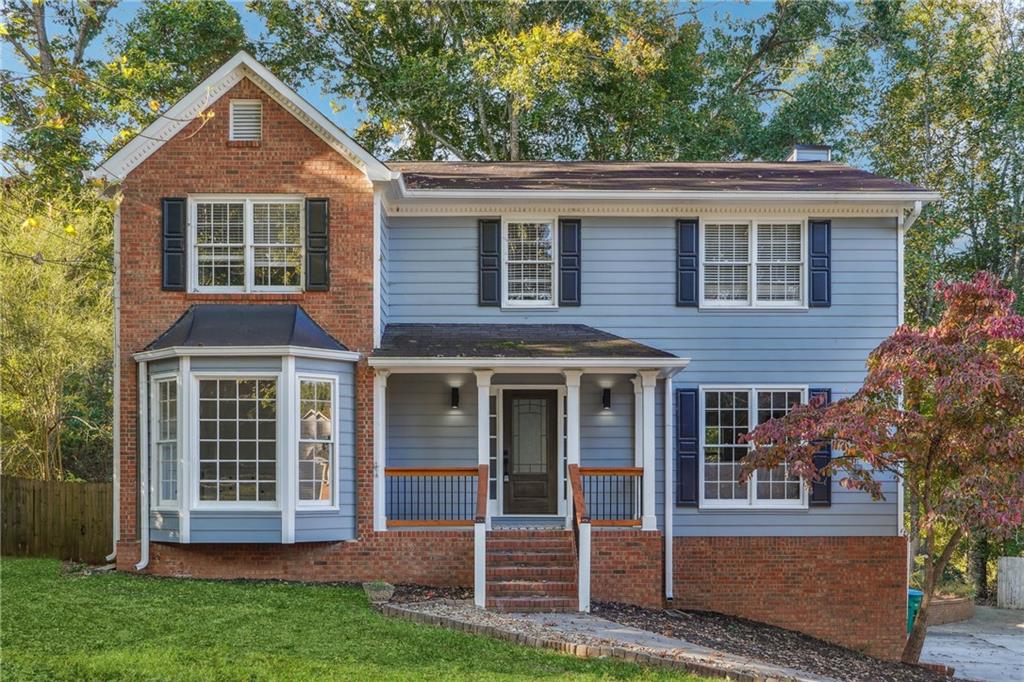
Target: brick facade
848,590
628,566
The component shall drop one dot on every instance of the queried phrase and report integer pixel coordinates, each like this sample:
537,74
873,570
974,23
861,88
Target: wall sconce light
606,398
455,397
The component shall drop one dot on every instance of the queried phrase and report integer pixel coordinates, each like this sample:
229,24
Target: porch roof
512,341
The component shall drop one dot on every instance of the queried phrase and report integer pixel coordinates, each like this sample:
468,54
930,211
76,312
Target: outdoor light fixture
455,397
606,398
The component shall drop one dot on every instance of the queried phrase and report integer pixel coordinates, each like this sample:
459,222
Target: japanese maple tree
941,406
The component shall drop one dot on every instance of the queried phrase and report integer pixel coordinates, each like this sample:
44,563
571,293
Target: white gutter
117,384
915,213
650,195
142,473
669,412
246,351
669,366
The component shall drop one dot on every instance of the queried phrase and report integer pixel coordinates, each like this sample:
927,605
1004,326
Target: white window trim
248,200
231,119
752,303
331,504
193,409
155,379
751,502
527,305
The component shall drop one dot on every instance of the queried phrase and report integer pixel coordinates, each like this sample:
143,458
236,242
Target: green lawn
115,626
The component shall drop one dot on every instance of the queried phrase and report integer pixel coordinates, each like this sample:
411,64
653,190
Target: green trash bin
913,606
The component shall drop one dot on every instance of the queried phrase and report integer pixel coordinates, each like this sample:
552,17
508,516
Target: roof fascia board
671,195
203,95
246,351
540,362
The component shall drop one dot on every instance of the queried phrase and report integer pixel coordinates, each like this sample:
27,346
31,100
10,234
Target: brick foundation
847,590
628,566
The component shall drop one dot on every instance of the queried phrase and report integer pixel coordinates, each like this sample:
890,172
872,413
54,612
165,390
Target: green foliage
583,79
115,626
57,328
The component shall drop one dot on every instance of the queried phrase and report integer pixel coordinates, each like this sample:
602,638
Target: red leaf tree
943,407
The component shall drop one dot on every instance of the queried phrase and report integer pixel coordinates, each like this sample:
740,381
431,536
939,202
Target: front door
530,455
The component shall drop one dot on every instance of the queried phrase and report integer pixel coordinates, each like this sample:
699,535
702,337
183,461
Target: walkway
988,648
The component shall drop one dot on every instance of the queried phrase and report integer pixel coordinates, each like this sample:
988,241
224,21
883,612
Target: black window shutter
318,272
570,243
173,245
687,425
687,262
490,263
821,490
820,263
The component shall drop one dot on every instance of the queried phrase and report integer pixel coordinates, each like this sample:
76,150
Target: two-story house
527,378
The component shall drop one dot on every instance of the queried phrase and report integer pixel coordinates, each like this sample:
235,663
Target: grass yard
115,626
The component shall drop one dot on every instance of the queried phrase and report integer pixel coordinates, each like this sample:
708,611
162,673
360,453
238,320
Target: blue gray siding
629,289
385,254
163,526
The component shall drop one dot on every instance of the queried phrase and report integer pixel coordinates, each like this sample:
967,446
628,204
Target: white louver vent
246,119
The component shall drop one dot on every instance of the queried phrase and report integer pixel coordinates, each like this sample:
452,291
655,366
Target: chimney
810,152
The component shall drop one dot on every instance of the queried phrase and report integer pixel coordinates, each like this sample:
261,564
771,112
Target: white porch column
638,422
649,380
572,415
380,391
483,456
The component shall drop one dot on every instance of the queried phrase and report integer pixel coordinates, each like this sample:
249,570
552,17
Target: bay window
529,261
246,244
727,414
165,440
757,264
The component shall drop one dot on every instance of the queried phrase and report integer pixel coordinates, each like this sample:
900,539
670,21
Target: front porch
519,432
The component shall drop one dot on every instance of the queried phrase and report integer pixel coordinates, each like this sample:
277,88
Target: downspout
142,473
669,497
117,385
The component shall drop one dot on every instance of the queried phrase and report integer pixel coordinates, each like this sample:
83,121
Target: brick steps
531,571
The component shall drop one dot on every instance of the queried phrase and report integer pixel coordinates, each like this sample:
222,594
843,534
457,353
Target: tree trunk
978,564
513,129
932,572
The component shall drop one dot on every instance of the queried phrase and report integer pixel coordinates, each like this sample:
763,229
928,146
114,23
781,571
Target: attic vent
246,119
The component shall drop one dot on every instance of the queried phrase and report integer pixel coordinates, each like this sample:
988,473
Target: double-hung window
726,415
316,441
238,440
165,440
529,258
753,264
246,244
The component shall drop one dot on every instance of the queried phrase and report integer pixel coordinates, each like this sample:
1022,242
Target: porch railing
449,496
613,495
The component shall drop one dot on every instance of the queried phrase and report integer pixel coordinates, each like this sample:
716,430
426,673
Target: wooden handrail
438,471
612,471
578,501
482,479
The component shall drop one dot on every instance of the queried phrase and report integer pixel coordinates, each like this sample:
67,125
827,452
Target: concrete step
531,588
533,604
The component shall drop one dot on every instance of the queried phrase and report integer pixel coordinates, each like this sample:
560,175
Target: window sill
704,507
753,309
244,295
530,308
233,507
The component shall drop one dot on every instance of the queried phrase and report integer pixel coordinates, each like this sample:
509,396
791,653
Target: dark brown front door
531,452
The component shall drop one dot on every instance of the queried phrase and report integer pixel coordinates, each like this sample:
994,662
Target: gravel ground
764,642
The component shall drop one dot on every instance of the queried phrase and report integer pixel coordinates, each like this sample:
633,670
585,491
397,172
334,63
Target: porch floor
527,522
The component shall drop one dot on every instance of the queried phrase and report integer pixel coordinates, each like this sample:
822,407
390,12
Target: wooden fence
54,518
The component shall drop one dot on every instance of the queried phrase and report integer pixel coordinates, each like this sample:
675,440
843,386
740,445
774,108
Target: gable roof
242,65
436,178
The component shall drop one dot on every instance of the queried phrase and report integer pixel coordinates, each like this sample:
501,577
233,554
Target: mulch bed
764,642
408,594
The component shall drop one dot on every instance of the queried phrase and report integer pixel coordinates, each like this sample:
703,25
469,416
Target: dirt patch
764,642
409,594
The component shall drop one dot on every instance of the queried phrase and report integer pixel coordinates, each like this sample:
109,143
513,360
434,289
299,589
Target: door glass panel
529,436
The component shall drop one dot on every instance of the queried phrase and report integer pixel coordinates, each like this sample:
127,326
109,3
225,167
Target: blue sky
349,115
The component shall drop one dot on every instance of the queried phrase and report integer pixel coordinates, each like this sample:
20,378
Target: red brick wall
628,566
290,159
848,590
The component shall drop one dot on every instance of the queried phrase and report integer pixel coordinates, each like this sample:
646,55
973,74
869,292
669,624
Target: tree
581,79
942,407
69,108
950,117
56,330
